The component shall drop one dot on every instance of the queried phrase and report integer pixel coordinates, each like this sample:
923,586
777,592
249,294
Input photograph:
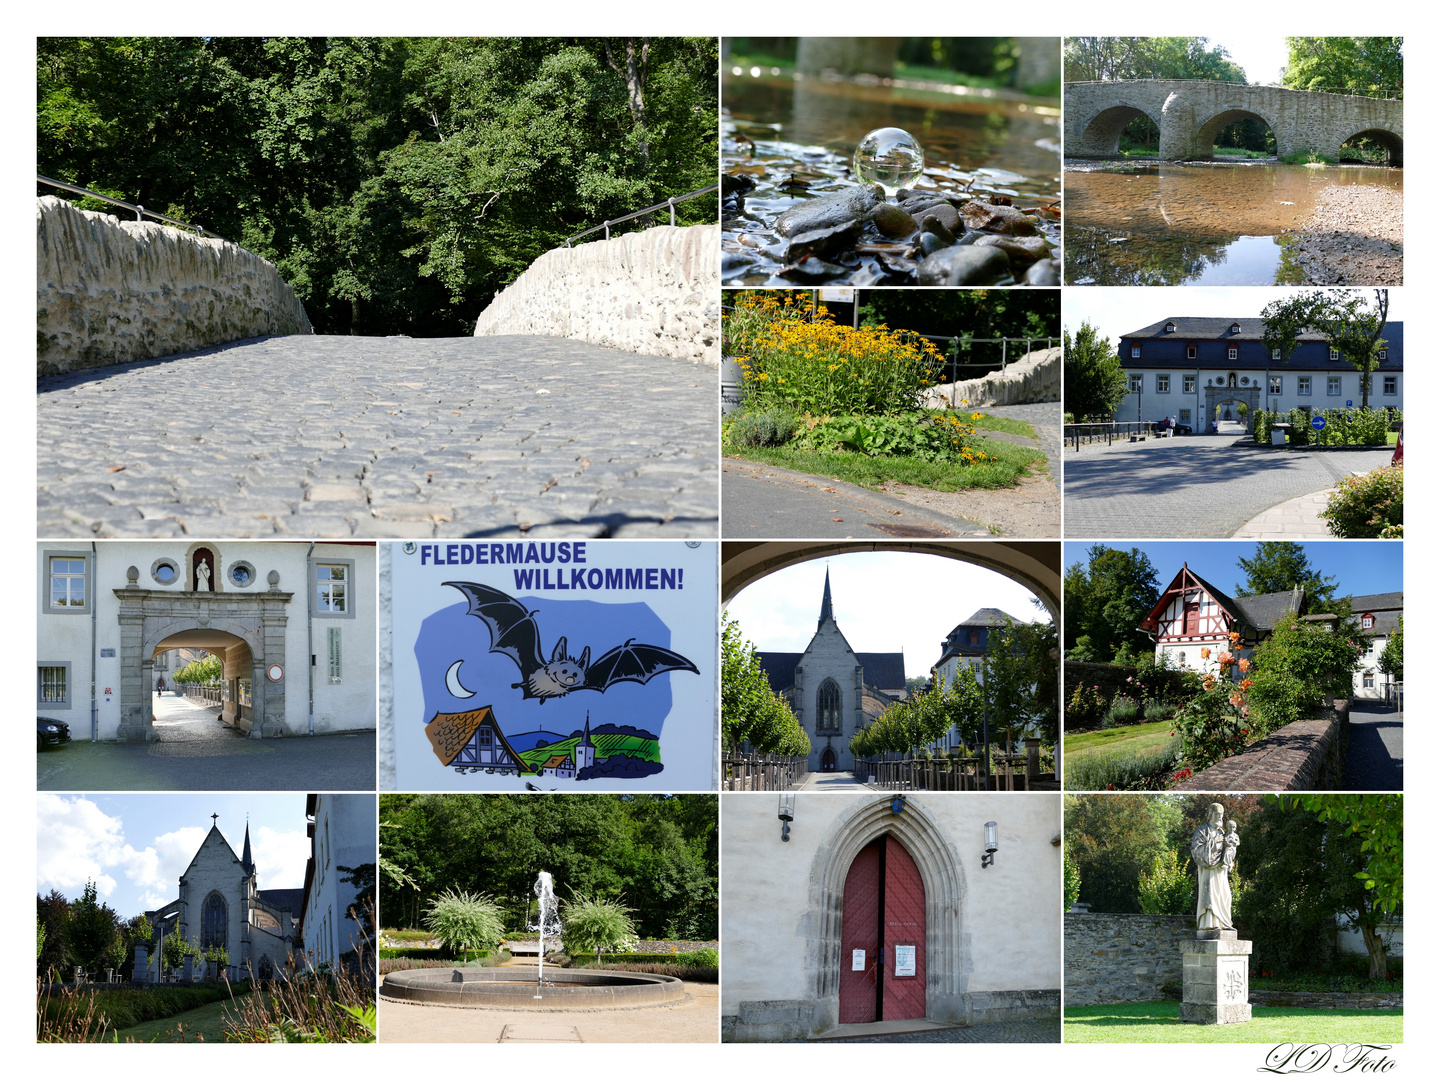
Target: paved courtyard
326,436
1375,760
1201,486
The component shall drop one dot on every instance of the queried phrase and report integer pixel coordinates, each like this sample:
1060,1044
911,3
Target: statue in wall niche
202,577
1213,848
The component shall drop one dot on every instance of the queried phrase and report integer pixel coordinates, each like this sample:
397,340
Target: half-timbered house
1192,621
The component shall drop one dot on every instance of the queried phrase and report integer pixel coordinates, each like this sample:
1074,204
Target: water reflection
1222,224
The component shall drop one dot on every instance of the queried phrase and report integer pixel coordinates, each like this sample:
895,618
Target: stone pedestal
1215,979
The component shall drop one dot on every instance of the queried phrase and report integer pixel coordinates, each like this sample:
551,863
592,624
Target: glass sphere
889,157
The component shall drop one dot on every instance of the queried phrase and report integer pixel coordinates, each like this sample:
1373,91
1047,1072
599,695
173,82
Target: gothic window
827,707
214,923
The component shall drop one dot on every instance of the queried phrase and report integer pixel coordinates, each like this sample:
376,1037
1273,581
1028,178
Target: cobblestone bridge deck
322,436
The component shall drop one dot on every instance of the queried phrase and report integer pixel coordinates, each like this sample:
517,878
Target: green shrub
1168,886
1086,705
763,427
1157,711
1211,726
461,919
936,436
1124,710
593,925
1372,505
387,953
1298,668
1126,771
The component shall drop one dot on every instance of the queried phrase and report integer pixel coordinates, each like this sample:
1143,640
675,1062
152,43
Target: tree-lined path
335,436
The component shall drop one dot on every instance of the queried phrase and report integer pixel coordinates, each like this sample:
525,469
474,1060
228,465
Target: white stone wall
1010,915
1036,377
111,291
344,836
654,292
349,705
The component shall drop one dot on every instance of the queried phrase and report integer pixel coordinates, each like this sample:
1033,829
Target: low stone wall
1308,755
111,291
778,1021
1307,1000
1034,378
1111,957
654,292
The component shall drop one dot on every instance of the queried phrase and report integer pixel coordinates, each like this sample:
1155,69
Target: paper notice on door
904,961
857,960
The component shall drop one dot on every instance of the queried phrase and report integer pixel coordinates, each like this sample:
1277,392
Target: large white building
880,907
1379,615
342,835
293,623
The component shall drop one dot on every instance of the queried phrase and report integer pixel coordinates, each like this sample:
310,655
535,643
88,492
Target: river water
1193,224
795,139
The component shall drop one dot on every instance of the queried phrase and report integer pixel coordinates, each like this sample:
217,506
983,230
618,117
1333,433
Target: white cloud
77,841
280,857
156,868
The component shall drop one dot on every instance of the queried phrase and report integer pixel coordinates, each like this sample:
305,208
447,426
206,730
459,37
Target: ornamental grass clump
462,921
794,356
592,925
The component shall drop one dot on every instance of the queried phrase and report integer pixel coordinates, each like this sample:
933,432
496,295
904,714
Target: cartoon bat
514,633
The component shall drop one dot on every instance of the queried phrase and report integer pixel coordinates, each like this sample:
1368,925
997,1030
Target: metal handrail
671,203
1346,91
135,208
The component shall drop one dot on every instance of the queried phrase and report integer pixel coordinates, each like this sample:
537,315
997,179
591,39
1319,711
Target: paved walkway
1010,1031
303,763
325,436
1197,486
178,719
1297,518
833,781
1375,760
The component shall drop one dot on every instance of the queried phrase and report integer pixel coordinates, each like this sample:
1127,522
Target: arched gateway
242,628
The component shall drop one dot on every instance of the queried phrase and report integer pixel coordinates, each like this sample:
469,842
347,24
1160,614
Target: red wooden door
883,914
860,930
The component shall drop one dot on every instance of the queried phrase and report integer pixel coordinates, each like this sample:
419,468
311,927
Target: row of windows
68,576
1233,353
1389,386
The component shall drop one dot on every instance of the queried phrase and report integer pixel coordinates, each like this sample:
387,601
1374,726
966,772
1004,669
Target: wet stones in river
964,265
892,221
1044,272
824,242
828,211
1022,250
997,219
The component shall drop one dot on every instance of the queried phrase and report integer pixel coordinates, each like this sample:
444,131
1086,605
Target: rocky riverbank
1354,236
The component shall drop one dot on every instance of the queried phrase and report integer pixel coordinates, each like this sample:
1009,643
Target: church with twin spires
833,690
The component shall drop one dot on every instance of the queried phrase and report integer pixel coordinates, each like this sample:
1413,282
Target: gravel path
1354,236
327,436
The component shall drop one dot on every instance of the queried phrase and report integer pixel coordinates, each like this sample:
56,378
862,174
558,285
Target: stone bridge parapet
653,292
1191,113
112,291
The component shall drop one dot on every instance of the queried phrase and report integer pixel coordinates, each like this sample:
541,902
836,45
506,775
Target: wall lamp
992,845
787,815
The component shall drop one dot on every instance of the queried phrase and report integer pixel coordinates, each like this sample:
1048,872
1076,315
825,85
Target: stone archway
1216,396
1394,145
246,626
237,658
1037,565
1207,131
948,962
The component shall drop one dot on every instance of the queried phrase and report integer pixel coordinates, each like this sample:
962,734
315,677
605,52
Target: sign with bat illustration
581,665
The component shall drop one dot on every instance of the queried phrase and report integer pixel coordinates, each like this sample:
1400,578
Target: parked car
48,731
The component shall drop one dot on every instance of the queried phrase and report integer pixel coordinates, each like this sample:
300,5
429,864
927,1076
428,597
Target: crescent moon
453,684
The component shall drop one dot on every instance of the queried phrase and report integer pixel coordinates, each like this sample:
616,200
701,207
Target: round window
242,574
165,572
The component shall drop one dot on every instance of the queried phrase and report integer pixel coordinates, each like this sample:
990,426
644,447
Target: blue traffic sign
1318,423
1349,403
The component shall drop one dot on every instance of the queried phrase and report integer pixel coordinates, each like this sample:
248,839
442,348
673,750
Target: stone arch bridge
1191,113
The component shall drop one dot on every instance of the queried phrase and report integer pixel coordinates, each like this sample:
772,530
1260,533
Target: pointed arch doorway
882,936
827,760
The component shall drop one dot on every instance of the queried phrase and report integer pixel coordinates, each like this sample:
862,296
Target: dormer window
1334,353
1169,328
1274,354
1234,328
1367,622
1233,353
1384,354
1189,352
1135,352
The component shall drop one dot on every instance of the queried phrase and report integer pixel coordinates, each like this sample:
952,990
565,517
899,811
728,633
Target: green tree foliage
1105,600
1300,667
1095,382
1112,839
1354,64
52,912
1072,881
93,932
750,710
1343,317
1308,865
208,670
174,951
963,313
1090,59
659,852
398,183
1168,887
463,920
1019,678
1280,565
1392,660
593,926
925,718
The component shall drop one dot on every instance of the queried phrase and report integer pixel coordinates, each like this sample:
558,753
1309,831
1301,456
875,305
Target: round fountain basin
514,988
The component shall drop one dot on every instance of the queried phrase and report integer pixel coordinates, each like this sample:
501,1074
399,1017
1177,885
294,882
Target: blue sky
884,602
135,847
1360,567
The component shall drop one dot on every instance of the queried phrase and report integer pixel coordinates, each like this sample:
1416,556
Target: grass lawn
1009,463
1136,737
1003,423
205,1024
1159,1021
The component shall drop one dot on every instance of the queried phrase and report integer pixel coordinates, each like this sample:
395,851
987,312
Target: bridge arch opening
1108,128
1373,145
1234,130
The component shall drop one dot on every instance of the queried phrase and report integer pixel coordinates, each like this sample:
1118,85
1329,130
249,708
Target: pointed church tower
585,749
245,860
827,613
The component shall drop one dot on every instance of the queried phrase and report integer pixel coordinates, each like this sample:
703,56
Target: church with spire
833,690
221,905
